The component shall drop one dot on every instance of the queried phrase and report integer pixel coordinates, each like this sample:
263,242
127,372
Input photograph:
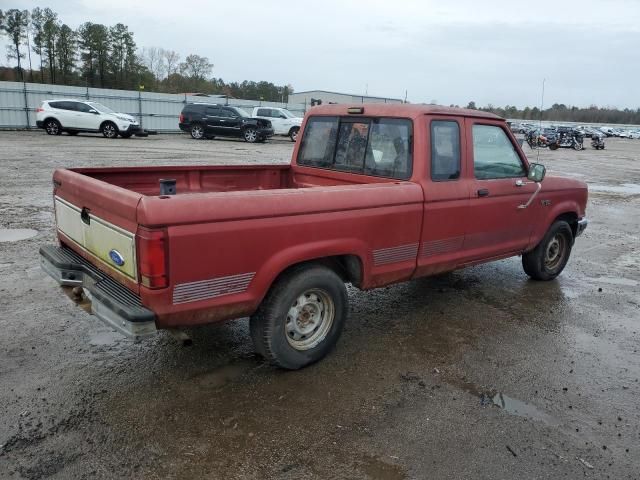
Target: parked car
283,121
75,116
206,120
375,194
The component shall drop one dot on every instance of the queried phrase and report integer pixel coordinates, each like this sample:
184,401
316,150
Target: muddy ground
481,373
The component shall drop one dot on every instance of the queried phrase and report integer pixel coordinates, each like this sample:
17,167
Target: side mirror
93,111
537,172
282,115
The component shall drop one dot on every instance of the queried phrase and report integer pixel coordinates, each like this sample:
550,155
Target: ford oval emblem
116,257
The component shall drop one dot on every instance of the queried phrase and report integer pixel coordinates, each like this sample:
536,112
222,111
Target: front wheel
293,134
109,130
250,135
301,318
548,259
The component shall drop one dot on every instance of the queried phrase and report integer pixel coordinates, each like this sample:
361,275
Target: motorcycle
597,142
536,140
570,139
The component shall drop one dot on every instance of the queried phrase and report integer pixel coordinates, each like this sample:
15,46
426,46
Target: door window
445,150
264,112
213,111
83,107
494,156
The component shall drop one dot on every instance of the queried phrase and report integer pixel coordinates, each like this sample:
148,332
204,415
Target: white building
336,97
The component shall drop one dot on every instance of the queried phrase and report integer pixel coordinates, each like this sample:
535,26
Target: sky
491,51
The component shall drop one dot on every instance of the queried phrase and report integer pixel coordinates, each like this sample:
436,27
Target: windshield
100,107
287,113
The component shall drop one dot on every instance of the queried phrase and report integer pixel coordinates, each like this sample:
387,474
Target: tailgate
99,219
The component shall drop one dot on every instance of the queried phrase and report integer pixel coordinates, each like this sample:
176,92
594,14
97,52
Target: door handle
483,192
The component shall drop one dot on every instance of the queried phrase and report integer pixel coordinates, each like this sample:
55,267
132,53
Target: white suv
282,120
73,116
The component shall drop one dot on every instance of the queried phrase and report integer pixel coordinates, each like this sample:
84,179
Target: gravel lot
476,374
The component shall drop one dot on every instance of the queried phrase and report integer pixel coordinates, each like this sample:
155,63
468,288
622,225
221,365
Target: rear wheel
548,259
52,127
301,318
293,134
250,135
109,130
197,131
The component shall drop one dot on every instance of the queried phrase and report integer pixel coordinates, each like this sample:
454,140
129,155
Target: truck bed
208,179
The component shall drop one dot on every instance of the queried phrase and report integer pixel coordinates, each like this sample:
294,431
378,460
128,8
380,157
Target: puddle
221,376
510,405
16,234
520,408
378,469
624,189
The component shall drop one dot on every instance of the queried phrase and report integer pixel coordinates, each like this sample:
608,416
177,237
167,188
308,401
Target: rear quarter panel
225,250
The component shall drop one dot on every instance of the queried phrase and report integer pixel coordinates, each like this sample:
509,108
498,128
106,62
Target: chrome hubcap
555,252
196,132
309,319
52,128
250,135
109,131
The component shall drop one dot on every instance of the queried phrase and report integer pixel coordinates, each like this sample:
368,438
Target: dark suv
205,120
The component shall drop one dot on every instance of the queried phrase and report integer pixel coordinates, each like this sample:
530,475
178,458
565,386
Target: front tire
109,130
301,318
250,135
53,127
293,134
548,259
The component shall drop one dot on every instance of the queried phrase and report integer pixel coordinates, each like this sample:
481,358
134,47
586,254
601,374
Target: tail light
181,120
39,109
152,257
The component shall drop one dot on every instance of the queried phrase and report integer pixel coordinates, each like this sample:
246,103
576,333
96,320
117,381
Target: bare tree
172,61
154,59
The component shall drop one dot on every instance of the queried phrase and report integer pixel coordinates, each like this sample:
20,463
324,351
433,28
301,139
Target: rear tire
109,130
52,127
548,259
301,318
197,131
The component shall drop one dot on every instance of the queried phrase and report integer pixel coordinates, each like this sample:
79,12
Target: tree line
559,112
97,55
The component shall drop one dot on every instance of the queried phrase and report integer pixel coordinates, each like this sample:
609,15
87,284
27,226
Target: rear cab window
445,150
368,146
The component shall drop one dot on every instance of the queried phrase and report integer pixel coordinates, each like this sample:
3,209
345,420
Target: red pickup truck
375,194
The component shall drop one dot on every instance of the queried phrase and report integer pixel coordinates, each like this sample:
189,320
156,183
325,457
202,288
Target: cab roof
398,110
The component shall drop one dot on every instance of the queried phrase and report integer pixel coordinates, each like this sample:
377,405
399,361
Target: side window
213,111
63,105
494,155
225,112
83,107
57,105
264,112
445,150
